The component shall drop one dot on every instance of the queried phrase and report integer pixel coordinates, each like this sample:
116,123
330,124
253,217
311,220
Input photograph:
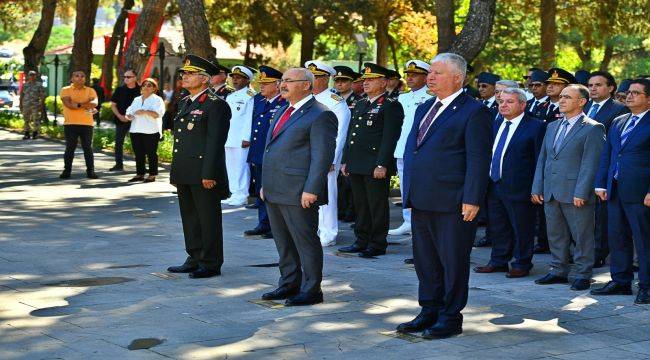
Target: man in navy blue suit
446,165
604,109
517,140
623,180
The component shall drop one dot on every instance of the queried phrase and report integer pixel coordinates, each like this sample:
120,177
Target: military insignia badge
187,62
411,66
368,70
190,126
369,123
313,67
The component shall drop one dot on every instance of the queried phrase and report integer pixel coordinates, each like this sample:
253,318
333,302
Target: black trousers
145,147
370,197
344,197
121,129
600,234
201,216
72,135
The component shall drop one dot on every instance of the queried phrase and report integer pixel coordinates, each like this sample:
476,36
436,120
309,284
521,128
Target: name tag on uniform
196,112
374,111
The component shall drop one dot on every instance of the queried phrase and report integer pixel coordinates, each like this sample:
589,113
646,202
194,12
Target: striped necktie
628,129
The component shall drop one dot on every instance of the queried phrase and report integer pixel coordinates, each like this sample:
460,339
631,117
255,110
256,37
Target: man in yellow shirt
79,103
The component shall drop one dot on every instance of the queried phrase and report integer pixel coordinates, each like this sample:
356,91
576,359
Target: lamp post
56,62
162,53
362,46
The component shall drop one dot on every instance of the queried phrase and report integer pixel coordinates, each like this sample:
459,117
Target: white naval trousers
328,222
239,174
406,213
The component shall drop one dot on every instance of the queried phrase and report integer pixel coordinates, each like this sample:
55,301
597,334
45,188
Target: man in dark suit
517,140
199,169
267,102
486,87
624,182
299,152
446,166
368,160
604,109
563,182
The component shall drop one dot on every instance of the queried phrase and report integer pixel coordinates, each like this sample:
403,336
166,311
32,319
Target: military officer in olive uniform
394,87
267,103
198,169
343,83
368,161
558,80
218,86
31,105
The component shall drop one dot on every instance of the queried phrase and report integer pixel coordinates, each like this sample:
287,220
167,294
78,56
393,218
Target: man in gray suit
566,170
299,151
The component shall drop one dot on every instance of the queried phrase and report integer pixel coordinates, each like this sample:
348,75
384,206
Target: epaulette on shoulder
213,96
337,98
390,99
250,92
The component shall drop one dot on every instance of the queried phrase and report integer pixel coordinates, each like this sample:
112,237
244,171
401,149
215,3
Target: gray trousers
563,222
296,238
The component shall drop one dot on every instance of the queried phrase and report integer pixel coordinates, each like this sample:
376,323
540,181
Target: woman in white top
145,114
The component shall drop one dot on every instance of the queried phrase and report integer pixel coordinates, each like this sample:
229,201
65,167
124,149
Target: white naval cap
319,68
416,66
242,70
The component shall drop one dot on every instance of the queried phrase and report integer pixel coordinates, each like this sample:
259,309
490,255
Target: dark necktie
532,108
427,122
558,141
593,110
282,120
495,173
486,102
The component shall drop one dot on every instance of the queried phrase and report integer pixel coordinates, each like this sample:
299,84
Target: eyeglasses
147,85
634,93
287,81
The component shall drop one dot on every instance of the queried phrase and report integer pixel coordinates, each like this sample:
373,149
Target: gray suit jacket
571,172
298,159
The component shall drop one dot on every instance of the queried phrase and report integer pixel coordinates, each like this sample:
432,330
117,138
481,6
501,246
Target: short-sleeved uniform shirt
78,116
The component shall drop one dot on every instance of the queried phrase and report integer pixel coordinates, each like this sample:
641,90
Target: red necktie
282,120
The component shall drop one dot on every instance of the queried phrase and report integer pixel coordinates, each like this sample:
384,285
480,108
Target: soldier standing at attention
267,103
31,105
394,87
328,224
218,86
343,84
368,161
199,169
241,106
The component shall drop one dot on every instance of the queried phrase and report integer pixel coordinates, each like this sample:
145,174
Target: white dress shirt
572,121
514,123
600,106
410,102
445,102
145,124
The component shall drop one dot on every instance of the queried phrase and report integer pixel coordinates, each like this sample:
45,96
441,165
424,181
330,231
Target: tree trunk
548,9
143,33
393,50
36,48
445,22
82,52
118,31
308,37
247,53
195,28
607,57
476,30
381,36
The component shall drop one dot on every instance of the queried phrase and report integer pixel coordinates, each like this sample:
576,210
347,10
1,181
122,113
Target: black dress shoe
351,249
541,249
441,332
116,168
483,242
267,235
580,284
91,175
487,269
421,322
64,175
281,293
136,178
182,269
26,136
304,299
409,261
599,263
252,206
256,231
35,135
202,273
613,288
371,253
551,279
643,297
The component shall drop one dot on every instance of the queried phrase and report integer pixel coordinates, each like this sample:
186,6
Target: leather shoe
438,331
280,293
92,175
202,273
517,273
643,297
421,322
581,284
267,235
551,279
483,242
116,168
409,261
252,206
256,231
490,269
182,269
541,249
613,288
351,249
303,299
64,175
371,253
599,263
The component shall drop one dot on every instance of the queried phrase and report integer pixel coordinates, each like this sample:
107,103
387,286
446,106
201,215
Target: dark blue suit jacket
263,112
608,112
450,167
633,160
520,158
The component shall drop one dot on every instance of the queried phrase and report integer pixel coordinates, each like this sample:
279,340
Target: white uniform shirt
340,108
241,106
410,102
145,124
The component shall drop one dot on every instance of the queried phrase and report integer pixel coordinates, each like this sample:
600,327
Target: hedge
105,113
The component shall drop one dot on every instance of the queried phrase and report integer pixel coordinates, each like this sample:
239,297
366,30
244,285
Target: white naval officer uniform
241,105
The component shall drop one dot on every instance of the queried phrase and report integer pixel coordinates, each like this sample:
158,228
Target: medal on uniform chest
369,122
190,126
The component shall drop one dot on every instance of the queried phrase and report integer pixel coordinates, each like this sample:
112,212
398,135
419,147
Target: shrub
105,112
49,104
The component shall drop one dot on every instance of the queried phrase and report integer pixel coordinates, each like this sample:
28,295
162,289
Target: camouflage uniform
32,98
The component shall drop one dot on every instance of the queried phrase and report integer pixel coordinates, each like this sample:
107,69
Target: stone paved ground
66,248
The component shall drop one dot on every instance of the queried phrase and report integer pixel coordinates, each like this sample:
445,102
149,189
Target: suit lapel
580,123
292,119
637,129
523,123
444,116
